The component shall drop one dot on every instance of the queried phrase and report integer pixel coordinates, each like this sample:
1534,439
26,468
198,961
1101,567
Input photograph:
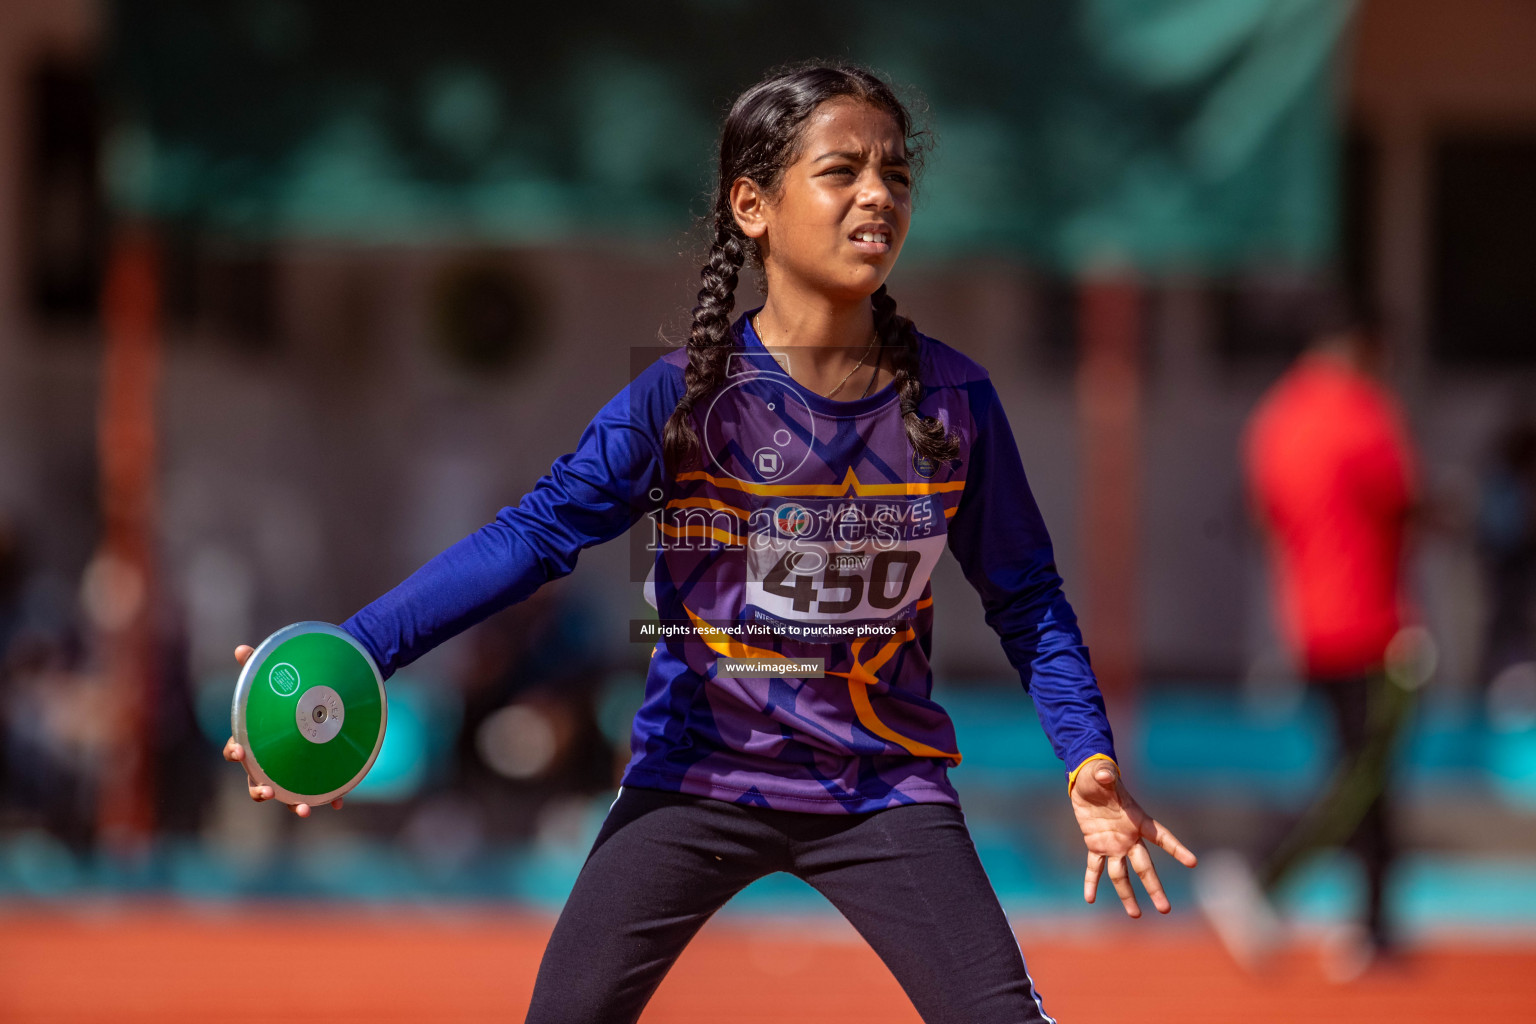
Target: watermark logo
758,428
768,462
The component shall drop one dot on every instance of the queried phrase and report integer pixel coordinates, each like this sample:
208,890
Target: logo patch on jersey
792,520
924,466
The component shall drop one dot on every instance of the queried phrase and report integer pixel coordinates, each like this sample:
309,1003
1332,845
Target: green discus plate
309,710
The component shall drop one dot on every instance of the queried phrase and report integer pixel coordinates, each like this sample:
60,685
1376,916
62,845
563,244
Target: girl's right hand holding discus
234,752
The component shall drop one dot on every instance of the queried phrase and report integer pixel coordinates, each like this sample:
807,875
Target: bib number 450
783,581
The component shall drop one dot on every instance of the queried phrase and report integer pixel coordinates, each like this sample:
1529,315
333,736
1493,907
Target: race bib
841,559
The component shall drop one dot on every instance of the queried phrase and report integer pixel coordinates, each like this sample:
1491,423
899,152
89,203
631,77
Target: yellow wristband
1091,757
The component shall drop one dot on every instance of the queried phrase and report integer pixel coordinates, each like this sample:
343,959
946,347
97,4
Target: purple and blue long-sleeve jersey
804,514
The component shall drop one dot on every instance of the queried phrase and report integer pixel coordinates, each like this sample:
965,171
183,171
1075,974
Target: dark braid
709,339
897,335
759,139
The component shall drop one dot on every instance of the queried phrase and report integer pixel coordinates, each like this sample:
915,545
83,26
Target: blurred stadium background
292,295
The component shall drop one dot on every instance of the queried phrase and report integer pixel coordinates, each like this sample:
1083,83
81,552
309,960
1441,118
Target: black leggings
907,878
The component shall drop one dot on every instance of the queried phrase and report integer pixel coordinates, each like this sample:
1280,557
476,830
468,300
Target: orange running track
133,964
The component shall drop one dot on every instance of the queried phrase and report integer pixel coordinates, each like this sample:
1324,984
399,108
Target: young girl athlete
800,468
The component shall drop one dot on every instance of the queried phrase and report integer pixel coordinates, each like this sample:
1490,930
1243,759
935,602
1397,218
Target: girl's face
842,208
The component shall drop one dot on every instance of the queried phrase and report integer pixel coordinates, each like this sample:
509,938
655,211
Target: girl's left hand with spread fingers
1116,830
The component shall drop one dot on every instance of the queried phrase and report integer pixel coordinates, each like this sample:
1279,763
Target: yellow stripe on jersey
721,642
860,678
723,536
850,482
707,503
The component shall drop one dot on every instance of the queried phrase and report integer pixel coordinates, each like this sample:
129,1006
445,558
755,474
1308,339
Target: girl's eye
899,177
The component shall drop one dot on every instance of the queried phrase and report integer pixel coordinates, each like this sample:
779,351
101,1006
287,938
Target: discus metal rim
247,680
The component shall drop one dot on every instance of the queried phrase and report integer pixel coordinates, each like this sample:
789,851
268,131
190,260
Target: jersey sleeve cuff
1072,777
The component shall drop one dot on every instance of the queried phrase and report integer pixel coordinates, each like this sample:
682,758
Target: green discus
309,710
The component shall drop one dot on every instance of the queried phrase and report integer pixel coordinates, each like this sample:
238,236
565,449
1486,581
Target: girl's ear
749,207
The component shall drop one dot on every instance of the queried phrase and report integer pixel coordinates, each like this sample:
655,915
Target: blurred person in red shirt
1330,474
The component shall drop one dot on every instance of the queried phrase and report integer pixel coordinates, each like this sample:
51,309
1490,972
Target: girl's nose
874,192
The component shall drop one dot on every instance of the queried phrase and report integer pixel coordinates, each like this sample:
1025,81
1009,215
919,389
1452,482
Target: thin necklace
873,375
850,373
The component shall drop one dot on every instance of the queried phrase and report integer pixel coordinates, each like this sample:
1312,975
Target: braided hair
759,139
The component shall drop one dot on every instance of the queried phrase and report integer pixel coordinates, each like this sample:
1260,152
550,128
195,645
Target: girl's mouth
872,242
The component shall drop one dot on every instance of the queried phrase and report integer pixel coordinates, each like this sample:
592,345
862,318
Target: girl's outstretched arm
1000,540
590,495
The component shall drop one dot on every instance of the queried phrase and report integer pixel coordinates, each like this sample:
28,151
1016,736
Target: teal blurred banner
1190,134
